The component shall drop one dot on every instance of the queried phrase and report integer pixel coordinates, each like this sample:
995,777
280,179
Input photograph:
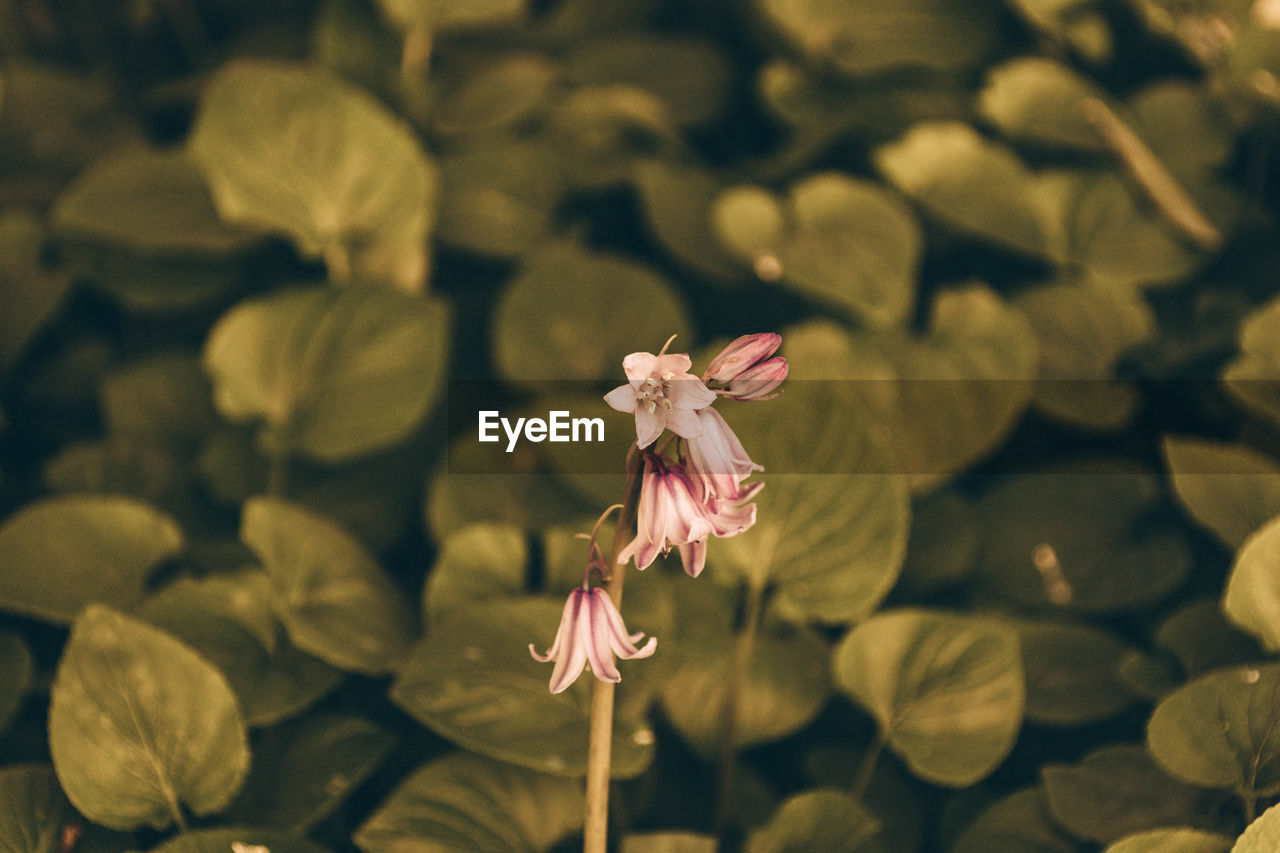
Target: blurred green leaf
1116,791
947,691
1262,835
435,16
29,295
831,529
1037,101
333,374
1076,23
866,37
688,75
467,802
1076,537
677,204
1083,330
1199,636
1018,823
522,499
244,840
820,819
320,760
603,132
943,546
478,562
164,399
33,810
140,725
293,149
148,200
1116,240
473,682
668,842
68,551
1172,840
229,620
18,669
574,314
1252,596
332,596
977,186
1187,125
976,363
499,95
785,685
1251,376
498,193
55,118
843,241
123,466
1220,731
1073,673
1230,489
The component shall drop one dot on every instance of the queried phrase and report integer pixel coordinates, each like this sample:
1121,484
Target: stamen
650,381
666,377
652,407
666,402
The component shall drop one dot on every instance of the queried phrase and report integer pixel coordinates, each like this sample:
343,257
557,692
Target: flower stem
744,645
600,744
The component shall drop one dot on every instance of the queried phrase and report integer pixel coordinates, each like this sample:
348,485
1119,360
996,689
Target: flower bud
741,355
759,382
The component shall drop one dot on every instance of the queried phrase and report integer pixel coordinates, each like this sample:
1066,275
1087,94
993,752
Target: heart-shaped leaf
140,725
946,691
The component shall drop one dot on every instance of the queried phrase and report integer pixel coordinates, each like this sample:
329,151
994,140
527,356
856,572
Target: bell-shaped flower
669,515
718,461
662,394
591,632
672,514
759,382
740,355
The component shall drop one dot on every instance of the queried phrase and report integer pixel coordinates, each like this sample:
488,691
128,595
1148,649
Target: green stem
600,743
1250,801
743,646
867,768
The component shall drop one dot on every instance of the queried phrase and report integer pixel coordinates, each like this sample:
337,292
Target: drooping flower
591,632
662,394
671,514
740,355
718,461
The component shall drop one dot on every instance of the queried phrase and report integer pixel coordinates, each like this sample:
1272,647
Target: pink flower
744,352
759,382
672,515
590,634
668,516
718,462
662,394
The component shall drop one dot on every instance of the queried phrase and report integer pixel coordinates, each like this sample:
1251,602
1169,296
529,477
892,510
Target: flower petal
638,365
684,422
687,392
594,632
693,556
672,362
566,622
649,425
622,399
573,656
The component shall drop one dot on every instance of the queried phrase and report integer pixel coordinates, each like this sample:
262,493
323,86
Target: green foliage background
244,246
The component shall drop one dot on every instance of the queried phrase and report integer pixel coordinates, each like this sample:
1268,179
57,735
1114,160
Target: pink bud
741,355
759,382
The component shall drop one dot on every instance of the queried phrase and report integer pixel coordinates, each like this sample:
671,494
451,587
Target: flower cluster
692,488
